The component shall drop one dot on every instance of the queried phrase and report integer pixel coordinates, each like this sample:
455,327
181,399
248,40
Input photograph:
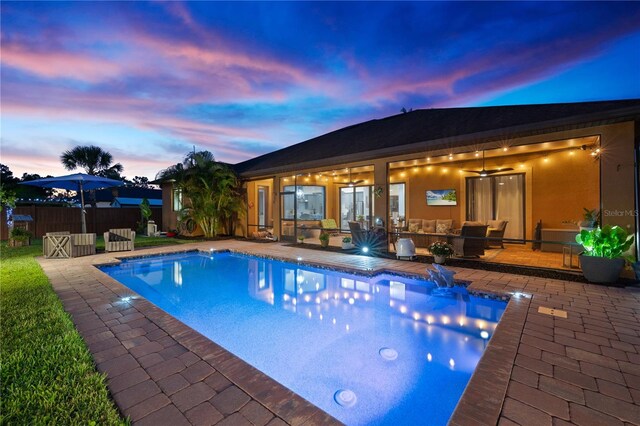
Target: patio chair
119,239
358,235
374,239
330,226
65,245
496,230
471,241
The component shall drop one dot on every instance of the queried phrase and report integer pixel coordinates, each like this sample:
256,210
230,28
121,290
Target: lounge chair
330,226
119,240
496,230
471,240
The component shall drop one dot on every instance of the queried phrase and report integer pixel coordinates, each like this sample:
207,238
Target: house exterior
546,164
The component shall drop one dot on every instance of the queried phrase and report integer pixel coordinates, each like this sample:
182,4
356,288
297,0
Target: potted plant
20,237
603,257
590,219
440,251
324,239
346,243
360,218
301,239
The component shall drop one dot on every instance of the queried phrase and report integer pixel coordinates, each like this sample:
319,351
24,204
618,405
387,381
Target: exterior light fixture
365,249
450,156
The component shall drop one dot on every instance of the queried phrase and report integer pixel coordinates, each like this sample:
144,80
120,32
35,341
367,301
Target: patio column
380,179
277,211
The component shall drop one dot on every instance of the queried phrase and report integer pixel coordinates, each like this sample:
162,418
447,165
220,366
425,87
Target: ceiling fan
484,173
351,182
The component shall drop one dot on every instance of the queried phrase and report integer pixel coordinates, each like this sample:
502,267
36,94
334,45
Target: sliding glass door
355,204
498,198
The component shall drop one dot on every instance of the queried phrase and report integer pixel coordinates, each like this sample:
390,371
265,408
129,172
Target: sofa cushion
414,227
445,224
429,226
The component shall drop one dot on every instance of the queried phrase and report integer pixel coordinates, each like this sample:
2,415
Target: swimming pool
368,350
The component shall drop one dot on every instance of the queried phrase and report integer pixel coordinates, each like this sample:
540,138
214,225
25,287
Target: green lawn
47,374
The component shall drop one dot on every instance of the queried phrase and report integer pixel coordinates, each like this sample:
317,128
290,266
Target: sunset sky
148,81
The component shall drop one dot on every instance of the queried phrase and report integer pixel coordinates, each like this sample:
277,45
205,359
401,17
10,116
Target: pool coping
483,396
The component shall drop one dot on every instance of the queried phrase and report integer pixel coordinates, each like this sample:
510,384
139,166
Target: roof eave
549,126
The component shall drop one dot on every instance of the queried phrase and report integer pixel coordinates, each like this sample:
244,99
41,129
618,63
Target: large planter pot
324,243
601,269
439,259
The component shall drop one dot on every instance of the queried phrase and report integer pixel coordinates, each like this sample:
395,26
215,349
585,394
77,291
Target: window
177,200
310,202
396,200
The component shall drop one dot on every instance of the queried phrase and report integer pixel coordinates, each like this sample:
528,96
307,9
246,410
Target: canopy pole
82,212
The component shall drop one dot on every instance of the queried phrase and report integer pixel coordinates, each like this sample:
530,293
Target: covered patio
530,184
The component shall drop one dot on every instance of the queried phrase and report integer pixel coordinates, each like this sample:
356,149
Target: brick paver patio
537,369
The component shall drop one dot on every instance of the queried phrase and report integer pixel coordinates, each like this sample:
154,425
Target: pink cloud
58,64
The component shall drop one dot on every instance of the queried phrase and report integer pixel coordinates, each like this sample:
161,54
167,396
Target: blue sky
148,81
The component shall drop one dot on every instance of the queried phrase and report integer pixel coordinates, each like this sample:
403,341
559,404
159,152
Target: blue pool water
368,350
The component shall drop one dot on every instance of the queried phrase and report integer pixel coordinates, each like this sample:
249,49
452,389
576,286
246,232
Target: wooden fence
99,220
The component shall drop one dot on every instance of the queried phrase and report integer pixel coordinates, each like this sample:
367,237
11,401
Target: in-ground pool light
388,354
345,397
365,249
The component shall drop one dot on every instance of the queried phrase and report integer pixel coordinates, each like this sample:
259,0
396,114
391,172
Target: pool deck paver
537,369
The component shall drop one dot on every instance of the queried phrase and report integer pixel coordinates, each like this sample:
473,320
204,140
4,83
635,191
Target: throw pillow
115,237
413,228
442,228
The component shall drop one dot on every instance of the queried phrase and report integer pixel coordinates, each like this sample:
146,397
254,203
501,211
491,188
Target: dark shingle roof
437,129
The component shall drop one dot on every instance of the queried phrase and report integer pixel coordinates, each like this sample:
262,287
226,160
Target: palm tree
211,191
93,160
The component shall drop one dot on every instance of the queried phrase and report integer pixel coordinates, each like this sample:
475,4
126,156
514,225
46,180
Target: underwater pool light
365,249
